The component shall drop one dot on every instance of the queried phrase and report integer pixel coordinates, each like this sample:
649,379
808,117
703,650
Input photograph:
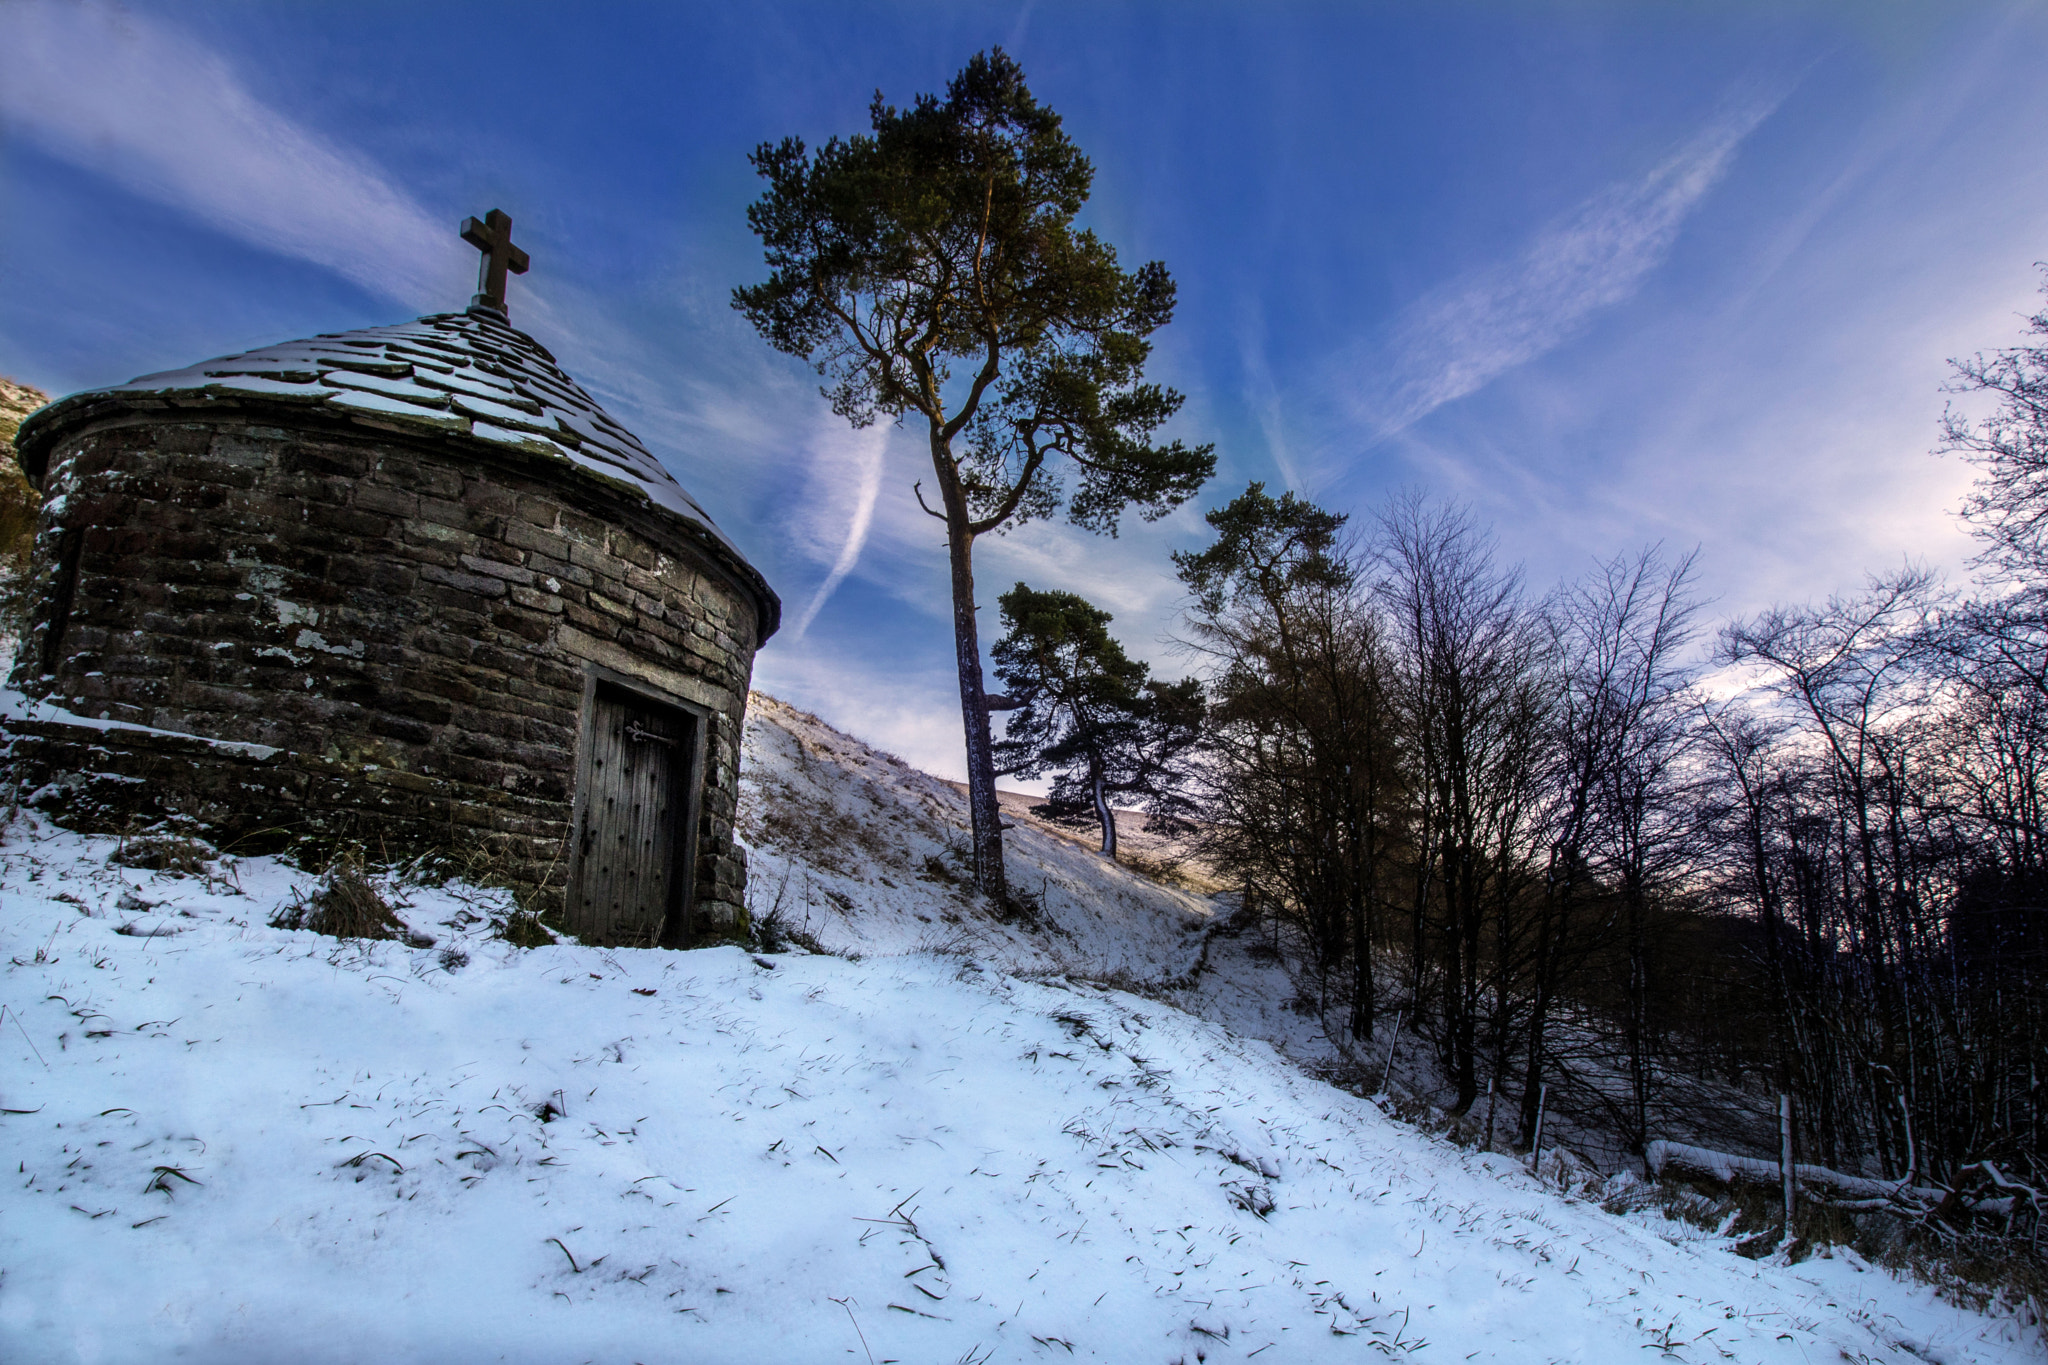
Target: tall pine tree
931,271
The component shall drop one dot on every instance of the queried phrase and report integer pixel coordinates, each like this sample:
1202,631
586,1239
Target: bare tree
1849,669
1618,809
2009,508
1477,683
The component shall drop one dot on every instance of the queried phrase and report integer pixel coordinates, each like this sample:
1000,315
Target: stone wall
378,638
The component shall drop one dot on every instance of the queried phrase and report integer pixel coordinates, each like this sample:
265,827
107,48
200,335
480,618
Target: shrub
347,904
172,853
523,929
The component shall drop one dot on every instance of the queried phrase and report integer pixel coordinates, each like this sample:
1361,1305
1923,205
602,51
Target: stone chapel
409,586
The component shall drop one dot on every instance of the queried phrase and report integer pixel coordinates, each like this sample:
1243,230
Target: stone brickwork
276,625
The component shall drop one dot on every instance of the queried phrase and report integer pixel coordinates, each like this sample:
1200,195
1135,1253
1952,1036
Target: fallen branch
1744,1170
1850,1193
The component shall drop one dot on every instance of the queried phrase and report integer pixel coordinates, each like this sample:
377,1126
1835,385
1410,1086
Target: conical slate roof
469,374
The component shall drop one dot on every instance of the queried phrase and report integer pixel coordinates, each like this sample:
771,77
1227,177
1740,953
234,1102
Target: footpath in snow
237,1143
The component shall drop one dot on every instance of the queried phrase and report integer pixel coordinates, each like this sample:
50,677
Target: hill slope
238,1143
866,854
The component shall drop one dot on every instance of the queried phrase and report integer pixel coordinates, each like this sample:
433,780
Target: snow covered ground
869,855
237,1143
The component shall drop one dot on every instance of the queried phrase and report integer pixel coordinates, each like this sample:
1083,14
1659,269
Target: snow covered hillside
865,854
940,1143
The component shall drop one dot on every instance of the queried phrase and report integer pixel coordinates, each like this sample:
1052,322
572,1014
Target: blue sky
1611,273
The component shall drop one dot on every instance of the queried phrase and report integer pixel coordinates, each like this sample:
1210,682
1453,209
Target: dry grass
523,929
19,505
535,919
774,933
833,840
174,854
937,869
1973,1268
1164,870
347,904
776,930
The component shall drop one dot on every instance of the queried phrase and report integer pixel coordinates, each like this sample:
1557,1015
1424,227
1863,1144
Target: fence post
1392,1043
1785,1169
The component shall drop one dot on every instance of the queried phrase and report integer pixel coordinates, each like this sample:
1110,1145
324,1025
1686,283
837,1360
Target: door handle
640,736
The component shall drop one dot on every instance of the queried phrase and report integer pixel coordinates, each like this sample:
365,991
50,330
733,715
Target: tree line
1548,831
1599,854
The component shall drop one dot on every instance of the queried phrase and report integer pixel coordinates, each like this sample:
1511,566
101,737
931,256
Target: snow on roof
470,373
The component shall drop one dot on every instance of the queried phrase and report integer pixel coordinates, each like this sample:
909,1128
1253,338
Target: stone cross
493,237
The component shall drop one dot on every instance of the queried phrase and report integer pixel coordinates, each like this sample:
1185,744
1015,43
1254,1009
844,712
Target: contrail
870,447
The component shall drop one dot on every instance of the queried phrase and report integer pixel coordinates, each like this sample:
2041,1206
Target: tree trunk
1636,1030
1467,1032
982,806
1108,819
1363,926
1461,992
1539,1017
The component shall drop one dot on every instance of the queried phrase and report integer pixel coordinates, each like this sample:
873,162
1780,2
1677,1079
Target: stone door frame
677,925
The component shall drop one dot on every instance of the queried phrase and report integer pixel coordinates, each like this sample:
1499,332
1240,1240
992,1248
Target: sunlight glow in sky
1611,273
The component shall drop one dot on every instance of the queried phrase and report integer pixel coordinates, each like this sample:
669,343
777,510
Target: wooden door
631,869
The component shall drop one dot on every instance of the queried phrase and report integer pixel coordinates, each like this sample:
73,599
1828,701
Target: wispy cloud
1262,395
1462,336
167,117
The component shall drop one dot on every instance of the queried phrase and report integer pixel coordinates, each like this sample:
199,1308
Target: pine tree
931,271
1091,715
